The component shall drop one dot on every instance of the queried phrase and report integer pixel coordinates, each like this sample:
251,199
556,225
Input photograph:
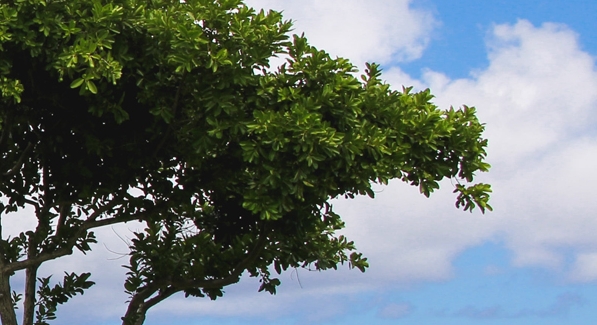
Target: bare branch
33,203
20,265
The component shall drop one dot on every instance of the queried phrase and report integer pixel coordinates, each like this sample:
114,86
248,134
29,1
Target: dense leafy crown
168,112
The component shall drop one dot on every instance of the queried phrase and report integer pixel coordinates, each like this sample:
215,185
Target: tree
167,112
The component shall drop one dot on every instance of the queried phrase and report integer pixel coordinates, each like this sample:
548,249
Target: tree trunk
7,311
29,303
134,315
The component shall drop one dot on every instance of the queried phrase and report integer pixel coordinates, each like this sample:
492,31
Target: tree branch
138,307
32,203
19,162
177,286
234,276
90,223
41,232
135,313
160,297
29,299
102,210
62,214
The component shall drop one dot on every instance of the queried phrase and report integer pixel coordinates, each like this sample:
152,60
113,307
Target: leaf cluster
50,298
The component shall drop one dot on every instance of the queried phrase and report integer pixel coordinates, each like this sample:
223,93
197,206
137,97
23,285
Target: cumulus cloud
375,30
538,97
410,238
538,91
584,268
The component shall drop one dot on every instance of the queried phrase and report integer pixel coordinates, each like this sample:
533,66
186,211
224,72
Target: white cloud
374,30
585,267
408,237
538,91
538,97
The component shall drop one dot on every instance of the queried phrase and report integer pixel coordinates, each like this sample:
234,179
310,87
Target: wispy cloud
395,310
560,308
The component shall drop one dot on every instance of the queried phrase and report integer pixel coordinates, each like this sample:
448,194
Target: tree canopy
168,112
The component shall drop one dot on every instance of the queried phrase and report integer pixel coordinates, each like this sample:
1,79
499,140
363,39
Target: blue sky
458,47
529,68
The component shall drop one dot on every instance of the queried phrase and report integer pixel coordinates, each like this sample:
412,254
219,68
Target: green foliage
50,298
168,112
